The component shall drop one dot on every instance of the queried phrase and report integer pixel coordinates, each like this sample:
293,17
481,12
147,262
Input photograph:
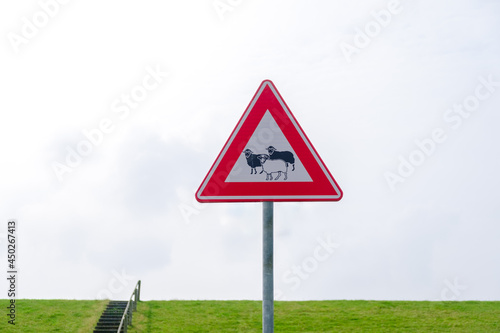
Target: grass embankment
37,316
320,316
245,316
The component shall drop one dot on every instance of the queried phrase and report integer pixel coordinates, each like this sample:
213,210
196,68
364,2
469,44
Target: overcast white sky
158,86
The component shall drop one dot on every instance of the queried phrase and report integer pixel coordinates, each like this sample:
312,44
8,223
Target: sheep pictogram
252,160
285,156
273,166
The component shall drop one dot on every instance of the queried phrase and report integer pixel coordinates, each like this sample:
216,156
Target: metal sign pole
268,263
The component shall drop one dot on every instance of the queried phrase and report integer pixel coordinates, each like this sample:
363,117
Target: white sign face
268,156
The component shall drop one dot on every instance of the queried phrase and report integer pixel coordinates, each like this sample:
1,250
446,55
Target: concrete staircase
111,317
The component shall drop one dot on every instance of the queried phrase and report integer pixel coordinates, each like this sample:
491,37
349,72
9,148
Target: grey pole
268,275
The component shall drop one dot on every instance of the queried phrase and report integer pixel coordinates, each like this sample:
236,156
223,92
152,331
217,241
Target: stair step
110,318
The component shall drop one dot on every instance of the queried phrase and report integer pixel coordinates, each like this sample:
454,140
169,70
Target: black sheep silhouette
253,160
285,156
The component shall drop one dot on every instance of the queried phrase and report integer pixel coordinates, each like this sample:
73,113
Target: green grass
318,316
245,316
39,316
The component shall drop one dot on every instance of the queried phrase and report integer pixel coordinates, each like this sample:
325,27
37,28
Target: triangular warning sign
268,157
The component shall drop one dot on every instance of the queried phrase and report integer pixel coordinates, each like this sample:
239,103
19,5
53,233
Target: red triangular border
214,188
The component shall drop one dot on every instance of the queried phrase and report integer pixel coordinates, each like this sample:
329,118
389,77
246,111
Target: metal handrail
127,314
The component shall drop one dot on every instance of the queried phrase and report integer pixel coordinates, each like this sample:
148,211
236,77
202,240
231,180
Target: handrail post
135,299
